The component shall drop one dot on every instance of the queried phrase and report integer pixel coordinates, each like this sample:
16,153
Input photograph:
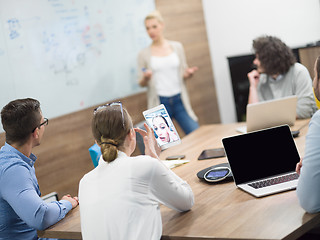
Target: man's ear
35,133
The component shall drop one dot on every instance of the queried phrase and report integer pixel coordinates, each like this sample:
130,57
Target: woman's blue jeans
177,111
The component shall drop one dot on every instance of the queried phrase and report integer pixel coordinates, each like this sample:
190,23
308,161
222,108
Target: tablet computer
165,132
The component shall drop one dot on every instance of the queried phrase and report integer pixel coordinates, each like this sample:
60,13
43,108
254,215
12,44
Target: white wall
233,24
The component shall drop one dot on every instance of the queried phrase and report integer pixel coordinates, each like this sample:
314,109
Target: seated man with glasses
22,211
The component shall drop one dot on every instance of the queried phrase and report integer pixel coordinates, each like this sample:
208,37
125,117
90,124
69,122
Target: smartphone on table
212,153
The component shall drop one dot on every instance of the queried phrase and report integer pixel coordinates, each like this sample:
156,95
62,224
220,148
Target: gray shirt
296,81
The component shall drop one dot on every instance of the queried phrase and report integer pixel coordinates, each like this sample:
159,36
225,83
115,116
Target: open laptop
263,162
270,114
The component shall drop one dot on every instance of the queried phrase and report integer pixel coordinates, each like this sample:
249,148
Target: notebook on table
263,162
270,114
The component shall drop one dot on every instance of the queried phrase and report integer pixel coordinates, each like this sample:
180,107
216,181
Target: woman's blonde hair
110,128
155,15
318,68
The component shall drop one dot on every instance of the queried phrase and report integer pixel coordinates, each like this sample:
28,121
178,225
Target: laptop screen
261,154
271,113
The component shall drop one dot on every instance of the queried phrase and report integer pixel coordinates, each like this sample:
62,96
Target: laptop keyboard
273,181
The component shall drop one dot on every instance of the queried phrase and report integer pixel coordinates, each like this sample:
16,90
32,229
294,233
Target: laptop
270,113
263,162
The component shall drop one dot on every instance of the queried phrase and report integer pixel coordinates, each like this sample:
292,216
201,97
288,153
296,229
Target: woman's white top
120,200
165,72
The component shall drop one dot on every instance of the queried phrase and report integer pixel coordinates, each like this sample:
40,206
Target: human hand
253,77
147,74
151,147
190,71
298,166
73,200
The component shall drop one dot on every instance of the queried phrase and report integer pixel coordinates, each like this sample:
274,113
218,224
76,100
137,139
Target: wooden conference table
221,211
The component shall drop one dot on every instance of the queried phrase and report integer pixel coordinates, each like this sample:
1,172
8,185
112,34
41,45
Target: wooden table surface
221,211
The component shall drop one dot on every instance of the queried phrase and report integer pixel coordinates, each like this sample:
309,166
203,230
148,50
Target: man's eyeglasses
45,123
109,105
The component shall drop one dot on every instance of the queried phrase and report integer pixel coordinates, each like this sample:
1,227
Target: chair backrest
95,153
139,137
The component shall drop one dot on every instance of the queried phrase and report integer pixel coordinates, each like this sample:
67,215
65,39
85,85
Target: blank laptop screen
261,154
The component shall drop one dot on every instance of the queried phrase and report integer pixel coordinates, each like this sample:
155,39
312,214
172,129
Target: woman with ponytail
120,198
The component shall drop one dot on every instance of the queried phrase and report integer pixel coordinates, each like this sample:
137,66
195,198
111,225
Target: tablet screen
159,120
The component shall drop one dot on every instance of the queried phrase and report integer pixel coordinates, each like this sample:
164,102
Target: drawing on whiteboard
93,34
14,27
71,51
48,40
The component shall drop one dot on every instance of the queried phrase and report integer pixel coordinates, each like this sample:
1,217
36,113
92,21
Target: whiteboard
73,54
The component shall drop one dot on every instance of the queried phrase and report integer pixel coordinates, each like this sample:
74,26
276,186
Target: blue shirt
308,189
22,211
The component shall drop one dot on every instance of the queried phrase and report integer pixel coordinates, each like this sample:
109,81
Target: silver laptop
270,114
263,162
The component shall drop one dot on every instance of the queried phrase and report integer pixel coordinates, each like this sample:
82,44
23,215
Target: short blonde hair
155,15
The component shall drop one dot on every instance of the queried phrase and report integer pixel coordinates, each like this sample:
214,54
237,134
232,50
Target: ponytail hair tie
113,144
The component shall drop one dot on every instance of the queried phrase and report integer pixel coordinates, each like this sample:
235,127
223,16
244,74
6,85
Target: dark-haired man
22,211
278,75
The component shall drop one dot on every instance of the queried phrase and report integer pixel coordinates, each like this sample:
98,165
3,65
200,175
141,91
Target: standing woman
163,69
119,199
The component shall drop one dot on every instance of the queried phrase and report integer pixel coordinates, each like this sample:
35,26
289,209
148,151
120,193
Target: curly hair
274,55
